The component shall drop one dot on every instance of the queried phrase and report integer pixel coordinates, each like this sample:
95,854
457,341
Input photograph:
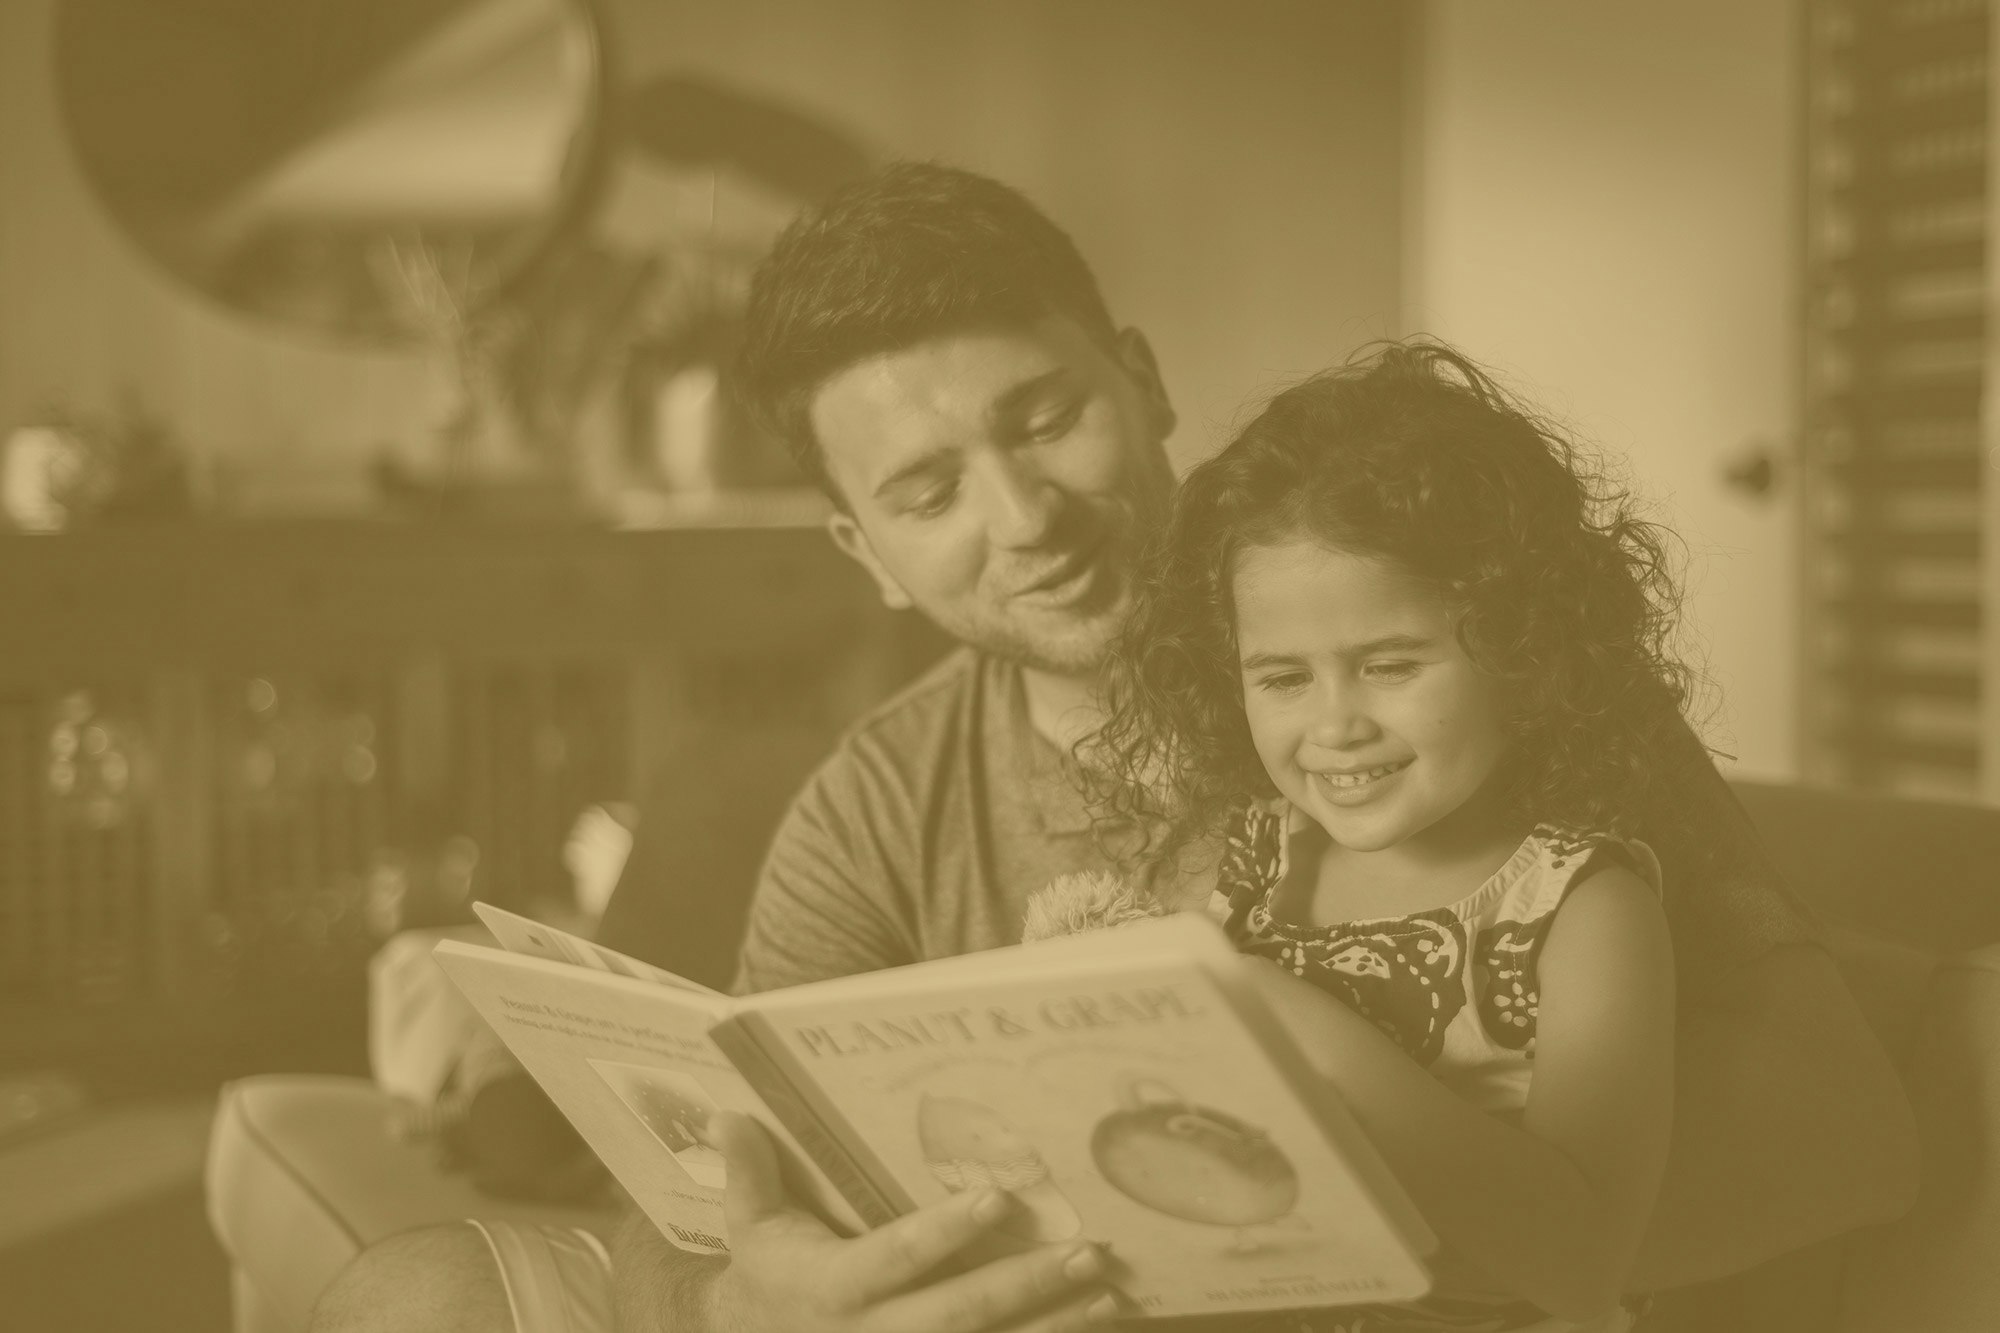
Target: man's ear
1136,355
854,543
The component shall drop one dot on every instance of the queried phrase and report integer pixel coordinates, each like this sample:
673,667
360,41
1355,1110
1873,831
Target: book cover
1119,1093
1121,1085
630,1062
527,936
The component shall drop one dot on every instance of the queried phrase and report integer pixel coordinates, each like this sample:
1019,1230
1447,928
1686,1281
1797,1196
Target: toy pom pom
1092,900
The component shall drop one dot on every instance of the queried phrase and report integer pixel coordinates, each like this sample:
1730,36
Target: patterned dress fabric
1456,986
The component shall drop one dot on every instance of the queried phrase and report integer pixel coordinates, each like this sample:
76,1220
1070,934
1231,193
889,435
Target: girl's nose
1023,504
1341,719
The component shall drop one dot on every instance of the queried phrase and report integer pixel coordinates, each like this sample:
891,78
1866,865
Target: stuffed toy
1088,900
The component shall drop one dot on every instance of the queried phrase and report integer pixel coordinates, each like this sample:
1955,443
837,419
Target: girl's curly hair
1408,452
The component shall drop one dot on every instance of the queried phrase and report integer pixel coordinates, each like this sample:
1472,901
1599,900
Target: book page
632,1066
524,935
1124,1099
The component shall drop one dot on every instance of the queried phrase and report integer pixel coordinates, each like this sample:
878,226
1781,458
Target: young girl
1408,655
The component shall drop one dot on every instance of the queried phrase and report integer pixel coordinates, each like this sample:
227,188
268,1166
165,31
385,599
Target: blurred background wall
1598,199
1603,204
86,315
1234,173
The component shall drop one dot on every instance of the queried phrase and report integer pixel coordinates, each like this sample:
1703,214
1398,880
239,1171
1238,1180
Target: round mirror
364,168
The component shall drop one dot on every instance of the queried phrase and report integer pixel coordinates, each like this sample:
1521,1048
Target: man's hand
787,1273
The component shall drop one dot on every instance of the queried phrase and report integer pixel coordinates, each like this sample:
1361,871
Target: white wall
1233,171
1602,206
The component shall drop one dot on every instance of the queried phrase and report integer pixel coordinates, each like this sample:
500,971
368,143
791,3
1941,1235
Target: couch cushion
1895,868
1800,1292
303,1172
1891,985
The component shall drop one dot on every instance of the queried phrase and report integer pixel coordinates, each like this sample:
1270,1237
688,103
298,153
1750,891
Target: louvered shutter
1903,661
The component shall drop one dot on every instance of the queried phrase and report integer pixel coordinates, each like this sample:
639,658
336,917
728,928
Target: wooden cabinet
218,743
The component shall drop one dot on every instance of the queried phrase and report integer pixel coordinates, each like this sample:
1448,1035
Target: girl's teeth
1357,779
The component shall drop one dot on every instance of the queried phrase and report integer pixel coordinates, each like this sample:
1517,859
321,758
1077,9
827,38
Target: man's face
1002,481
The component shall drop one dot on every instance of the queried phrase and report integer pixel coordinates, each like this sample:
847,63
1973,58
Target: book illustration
674,1108
968,1145
1193,1162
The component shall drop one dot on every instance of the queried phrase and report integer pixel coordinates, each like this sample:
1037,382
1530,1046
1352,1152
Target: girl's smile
1357,786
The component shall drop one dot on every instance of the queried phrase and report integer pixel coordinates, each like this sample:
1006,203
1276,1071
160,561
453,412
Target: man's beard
1080,651
1081,642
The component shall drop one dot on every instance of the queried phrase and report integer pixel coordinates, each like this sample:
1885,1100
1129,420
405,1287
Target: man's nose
1023,504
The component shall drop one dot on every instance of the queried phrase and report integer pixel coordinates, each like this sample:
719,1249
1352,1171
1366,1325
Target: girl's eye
1285,682
1391,671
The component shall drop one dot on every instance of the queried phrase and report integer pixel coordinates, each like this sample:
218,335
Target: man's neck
1062,708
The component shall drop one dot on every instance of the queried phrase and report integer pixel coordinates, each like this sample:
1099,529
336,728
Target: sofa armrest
304,1172
1934,1269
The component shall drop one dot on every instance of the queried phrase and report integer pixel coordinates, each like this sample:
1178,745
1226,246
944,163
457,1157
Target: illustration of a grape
971,1146
1192,1162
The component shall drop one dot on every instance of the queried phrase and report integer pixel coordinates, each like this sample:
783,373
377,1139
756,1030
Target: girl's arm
1552,1208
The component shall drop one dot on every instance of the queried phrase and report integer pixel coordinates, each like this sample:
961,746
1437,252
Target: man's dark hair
913,252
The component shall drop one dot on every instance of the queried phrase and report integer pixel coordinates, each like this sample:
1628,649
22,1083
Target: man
940,359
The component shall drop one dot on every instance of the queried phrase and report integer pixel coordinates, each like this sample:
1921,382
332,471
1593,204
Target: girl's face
1364,709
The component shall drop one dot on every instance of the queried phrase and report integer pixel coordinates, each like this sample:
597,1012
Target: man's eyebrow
1007,404
1011,400
926,462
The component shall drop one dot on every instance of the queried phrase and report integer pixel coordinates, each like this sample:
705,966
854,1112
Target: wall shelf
281,706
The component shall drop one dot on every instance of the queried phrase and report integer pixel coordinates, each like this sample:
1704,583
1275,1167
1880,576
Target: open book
1125,1085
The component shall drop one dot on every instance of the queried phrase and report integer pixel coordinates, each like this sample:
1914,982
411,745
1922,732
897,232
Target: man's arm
1790,1124
657,1287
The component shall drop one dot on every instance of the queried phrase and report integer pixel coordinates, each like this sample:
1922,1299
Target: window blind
1898,481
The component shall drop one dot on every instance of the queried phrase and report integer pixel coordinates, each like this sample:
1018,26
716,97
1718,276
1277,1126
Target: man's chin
1067,641
1074,648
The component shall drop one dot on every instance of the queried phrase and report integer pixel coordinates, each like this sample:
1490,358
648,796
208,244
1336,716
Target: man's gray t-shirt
926,831
921,837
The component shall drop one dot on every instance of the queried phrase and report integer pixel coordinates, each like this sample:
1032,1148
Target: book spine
736,1038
